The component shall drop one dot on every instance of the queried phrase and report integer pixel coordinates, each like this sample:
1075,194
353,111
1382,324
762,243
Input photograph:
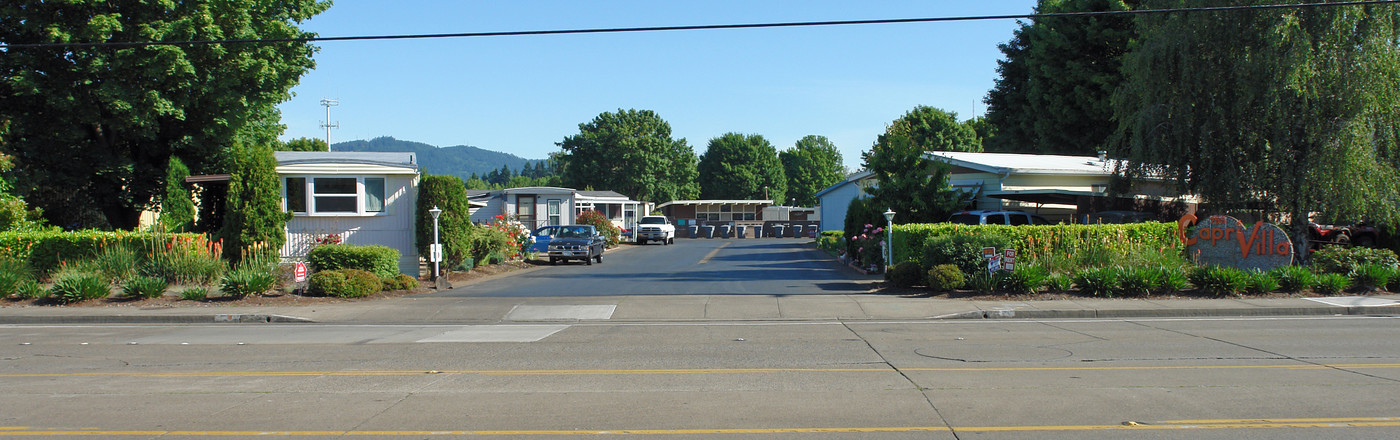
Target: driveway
688,267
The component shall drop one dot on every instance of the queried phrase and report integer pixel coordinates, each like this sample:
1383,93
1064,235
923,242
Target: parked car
1013,218
576,242
540,237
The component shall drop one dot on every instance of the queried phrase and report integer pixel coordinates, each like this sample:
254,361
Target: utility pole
328,103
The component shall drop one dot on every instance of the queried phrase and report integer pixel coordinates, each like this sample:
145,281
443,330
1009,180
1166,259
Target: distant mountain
461,160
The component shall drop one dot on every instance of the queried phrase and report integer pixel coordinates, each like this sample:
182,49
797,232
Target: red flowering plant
517,234
329,239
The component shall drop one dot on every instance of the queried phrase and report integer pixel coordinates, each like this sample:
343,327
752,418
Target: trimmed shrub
945,277
144,287
399,282
1372,276
906,274
963,251
1259,282
344,283
1331,283
380,260
1101,281
1346,260
1058,282
1218,280
1023,280
79,286
1138,244
195,293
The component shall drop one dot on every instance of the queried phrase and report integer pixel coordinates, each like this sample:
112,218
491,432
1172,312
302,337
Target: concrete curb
154,319
1171,313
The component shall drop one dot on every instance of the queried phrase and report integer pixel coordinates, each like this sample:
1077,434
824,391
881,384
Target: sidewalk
697,308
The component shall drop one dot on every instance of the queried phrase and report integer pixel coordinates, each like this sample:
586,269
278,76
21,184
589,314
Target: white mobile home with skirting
358,198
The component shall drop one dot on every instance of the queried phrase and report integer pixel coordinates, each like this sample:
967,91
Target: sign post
300,272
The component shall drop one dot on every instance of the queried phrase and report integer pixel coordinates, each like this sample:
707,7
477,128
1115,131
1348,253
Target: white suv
1013,218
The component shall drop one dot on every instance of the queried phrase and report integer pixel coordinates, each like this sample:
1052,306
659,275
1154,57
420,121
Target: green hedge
1037,241
382,261
45,250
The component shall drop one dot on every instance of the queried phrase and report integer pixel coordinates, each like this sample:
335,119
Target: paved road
776,267
1333,377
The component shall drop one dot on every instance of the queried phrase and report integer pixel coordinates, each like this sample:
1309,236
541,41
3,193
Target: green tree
932,129
737,166
177,205
254,222
303,144
1289,112
811,165
93,127
1053,94
631,152
915,187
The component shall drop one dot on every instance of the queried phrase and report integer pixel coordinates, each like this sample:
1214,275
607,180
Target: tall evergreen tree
254,223
1054,89
177,204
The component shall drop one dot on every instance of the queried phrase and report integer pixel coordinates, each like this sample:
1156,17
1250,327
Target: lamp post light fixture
436,252
889,236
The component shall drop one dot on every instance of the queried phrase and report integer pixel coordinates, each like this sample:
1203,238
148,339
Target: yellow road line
691,371
1340,422
712,254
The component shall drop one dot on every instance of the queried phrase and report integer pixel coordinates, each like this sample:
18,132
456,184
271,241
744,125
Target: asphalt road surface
552,369
1299,378
768,266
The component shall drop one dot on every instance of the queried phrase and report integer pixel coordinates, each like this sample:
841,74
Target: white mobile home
350,197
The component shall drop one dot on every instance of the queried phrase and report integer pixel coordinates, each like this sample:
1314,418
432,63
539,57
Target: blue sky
523,94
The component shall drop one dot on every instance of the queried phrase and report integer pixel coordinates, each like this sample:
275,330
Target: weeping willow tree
1292,113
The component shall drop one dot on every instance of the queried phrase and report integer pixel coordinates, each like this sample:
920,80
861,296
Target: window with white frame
334,195
553,211
724,212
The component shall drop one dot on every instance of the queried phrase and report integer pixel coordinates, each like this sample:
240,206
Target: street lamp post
889,236
436,253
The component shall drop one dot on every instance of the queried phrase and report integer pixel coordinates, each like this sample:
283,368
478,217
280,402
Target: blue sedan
540,238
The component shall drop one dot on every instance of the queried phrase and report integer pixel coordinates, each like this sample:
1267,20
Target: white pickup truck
655,227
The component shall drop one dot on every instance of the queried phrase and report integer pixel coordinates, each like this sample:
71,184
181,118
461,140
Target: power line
13,46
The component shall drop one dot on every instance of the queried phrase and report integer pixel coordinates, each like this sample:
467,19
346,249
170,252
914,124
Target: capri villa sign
1224,241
